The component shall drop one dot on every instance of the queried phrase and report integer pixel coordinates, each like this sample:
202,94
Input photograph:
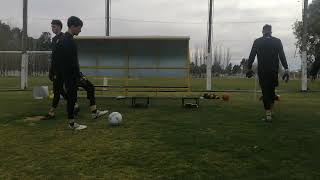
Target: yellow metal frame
128,61
109,67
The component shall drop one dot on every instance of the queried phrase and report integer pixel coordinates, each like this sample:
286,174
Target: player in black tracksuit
58,84
66,67
316,65
268,50
56,26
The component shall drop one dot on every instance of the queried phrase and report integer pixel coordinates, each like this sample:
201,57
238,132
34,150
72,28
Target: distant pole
24,57
304,78
25,26
107,11
209,50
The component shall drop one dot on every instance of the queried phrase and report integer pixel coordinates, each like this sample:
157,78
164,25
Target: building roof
133,38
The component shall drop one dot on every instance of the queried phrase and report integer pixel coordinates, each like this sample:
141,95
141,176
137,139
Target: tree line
313,32
221,63
11,40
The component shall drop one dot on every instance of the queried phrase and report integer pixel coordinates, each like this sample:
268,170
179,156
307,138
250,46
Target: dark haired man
66,67
56,26
58,86
268,50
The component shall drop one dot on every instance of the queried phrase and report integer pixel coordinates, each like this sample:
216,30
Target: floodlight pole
25,26
304,77
107,18
24,57
209,55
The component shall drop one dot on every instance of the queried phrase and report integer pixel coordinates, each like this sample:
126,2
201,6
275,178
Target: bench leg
133,101
146,101
196,100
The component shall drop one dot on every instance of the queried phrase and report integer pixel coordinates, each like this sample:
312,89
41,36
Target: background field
197,84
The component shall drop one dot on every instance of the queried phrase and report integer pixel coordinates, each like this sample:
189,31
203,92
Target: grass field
220,140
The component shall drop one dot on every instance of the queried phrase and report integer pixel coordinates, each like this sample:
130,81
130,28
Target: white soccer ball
115,118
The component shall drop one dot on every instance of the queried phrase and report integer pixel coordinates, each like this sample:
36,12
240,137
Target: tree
228,69
221,59
216,68
228,57
10,39
5,34
203,69
196,57
14,42
192,68
197,60
236,69
313,33
243,65
44,41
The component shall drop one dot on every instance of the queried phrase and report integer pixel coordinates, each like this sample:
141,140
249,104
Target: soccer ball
115,118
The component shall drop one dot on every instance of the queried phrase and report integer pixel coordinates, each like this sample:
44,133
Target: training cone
225,97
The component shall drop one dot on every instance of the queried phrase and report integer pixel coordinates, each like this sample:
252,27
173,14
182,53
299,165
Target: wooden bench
156,89
144,101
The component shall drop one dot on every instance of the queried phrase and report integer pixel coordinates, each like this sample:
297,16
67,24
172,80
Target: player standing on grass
268,50
83,82
56,26
67,69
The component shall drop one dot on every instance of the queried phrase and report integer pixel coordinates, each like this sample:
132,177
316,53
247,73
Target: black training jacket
56,41
66,58
269,50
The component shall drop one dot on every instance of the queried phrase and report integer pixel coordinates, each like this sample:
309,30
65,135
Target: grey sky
236,23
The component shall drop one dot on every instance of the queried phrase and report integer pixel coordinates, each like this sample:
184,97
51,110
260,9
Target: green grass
220,140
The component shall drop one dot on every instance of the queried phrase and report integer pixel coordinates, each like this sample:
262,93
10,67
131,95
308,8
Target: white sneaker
267,119
77,126
99,114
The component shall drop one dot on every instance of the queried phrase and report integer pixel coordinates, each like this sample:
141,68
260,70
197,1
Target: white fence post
24,71
105,83
304,77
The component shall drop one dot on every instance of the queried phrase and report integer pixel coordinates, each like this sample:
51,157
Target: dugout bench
144,101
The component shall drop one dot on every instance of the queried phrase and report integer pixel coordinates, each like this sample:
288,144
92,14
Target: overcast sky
236,22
